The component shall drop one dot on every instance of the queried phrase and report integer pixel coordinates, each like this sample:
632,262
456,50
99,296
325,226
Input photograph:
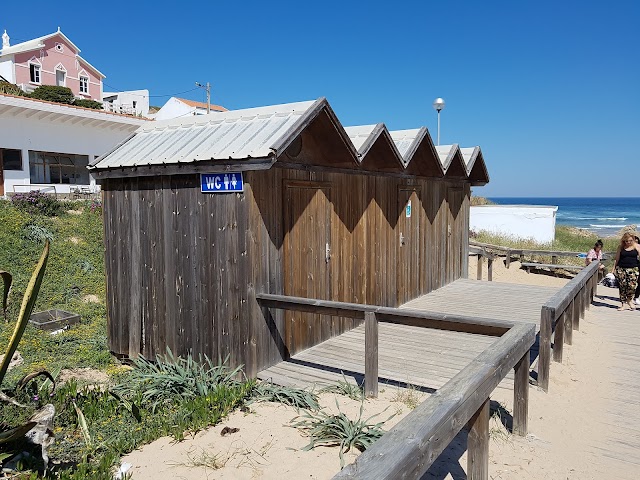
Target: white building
181,107
534,222
132,102
44,144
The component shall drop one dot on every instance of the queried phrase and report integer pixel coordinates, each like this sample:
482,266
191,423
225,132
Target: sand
267,446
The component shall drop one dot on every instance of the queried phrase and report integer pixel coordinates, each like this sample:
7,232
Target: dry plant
408,396
203,459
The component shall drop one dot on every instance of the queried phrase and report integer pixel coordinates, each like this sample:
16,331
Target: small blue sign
221,182
407,209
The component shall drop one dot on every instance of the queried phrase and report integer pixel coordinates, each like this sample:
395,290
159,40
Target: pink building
50,60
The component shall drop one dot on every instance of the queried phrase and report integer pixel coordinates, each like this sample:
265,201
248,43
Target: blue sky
549,90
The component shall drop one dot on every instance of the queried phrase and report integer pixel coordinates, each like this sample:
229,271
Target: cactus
28,302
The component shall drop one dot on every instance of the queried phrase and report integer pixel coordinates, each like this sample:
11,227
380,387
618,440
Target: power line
151,96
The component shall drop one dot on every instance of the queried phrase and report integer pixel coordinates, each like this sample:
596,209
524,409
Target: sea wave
606,226
621,219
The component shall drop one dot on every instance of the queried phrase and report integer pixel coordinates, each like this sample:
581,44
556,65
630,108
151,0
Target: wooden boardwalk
424,358
620,384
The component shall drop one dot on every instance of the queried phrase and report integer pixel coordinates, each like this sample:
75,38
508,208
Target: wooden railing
562,313
410,447
520,252
482,253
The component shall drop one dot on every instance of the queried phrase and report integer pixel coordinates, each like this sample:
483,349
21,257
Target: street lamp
438,104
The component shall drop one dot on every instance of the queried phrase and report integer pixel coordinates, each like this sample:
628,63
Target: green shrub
86,103
53,93
37,202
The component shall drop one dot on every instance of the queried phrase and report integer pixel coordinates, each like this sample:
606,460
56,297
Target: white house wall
46,136
518,221
174,108
6,70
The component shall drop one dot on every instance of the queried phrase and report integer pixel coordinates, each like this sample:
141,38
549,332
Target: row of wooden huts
357,214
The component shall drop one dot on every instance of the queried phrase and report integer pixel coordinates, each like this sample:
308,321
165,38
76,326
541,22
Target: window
35,72
67,168
84,85
10,159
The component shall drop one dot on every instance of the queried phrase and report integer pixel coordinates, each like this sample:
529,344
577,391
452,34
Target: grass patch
409,396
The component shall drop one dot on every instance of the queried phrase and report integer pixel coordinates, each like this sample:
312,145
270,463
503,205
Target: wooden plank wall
183,267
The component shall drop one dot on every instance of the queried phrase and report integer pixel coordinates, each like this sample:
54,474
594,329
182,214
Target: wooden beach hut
203,213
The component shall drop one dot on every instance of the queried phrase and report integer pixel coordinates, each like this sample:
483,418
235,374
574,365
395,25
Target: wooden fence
409,448
519,252
562,313
482,253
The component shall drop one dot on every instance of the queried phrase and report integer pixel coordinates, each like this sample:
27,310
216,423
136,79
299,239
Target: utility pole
207,87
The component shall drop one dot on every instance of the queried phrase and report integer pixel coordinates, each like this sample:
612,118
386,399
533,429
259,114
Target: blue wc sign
221,182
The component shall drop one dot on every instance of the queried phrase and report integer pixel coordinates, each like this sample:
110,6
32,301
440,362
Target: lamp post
207,87
438,104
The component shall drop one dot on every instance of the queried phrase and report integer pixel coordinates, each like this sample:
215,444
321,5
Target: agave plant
45,416
330,430
292,396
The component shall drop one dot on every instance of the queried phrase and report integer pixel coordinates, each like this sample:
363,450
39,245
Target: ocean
603,216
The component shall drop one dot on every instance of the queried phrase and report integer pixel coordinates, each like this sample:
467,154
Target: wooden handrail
563,310
526,251
410,447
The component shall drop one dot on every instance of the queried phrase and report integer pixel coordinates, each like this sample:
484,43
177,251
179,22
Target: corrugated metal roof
359,135
231,135
404,140
469,155
446,154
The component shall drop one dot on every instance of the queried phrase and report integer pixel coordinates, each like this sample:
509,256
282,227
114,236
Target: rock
16,360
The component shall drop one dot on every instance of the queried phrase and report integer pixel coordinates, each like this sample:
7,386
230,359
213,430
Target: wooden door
408,244
307,259
457,233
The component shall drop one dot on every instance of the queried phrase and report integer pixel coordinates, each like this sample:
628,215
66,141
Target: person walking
625,268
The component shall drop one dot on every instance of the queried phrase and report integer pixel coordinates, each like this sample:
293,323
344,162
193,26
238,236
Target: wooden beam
507,262
575,317
521,396
436,320
544,352
558,340
490,269
479,268
371,354
478,444
568,326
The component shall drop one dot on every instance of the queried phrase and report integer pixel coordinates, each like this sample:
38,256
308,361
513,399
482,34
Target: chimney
5,40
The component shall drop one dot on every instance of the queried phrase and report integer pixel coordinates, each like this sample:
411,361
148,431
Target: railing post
583,301
590,292
554,259
490,269
507,262
568,327
521,396
478,444
521,257
371,354
575,316
479,268
558,339
544,348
